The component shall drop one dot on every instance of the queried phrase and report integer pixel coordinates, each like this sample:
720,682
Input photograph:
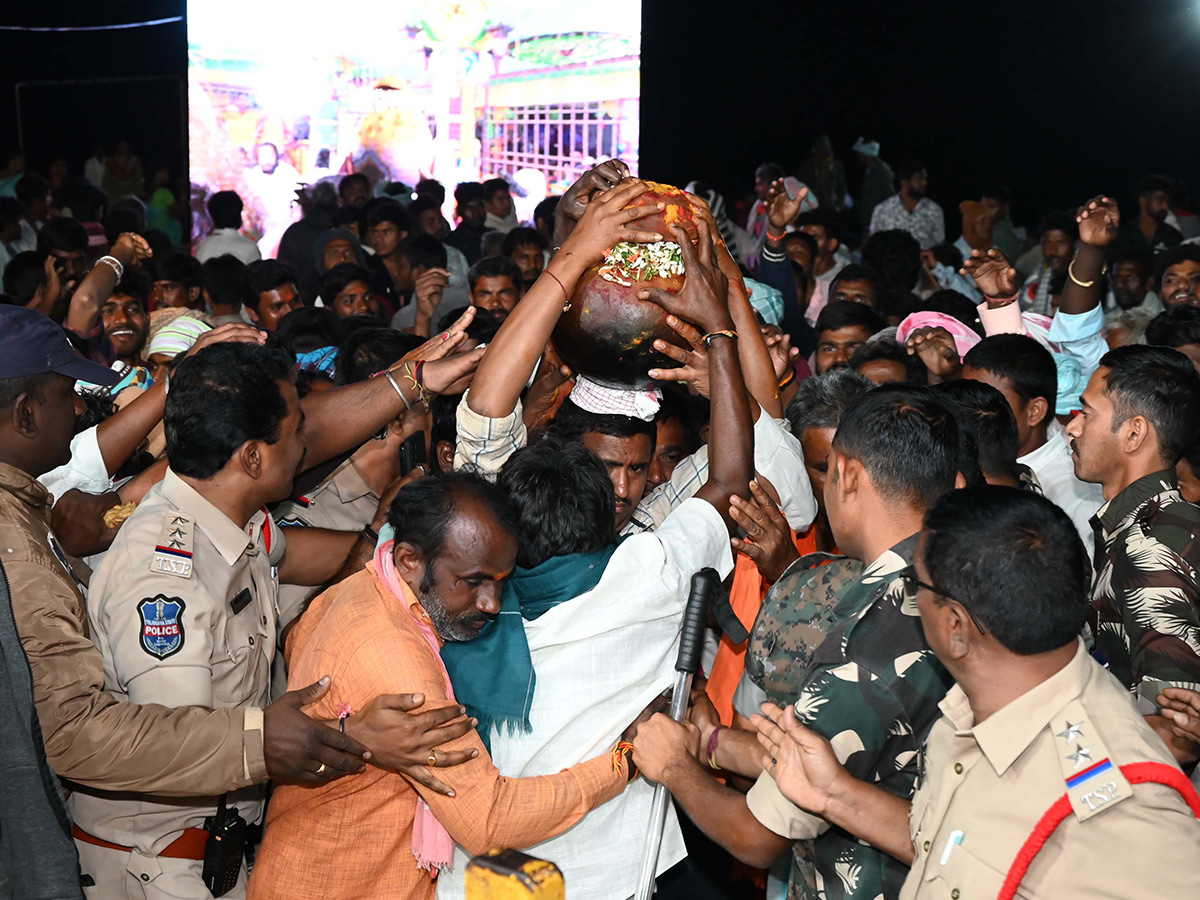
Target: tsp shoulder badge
162,625
173,552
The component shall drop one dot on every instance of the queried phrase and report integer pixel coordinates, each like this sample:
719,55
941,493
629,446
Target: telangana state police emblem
162,625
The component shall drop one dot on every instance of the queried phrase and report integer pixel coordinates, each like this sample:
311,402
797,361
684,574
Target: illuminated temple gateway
576,101
458,91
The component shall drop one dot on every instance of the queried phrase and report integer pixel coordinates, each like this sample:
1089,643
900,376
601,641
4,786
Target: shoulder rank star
1081,755
173,552
1072,732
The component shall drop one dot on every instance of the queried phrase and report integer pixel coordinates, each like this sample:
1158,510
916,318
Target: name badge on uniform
162,625
241,601
173,552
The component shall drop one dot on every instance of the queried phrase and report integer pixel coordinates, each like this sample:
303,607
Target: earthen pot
608,333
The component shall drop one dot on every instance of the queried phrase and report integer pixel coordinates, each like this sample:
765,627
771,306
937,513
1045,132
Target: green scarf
493,674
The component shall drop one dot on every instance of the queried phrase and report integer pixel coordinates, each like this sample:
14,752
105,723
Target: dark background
1057,100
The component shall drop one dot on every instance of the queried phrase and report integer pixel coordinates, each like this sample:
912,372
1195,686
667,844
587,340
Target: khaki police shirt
183,609
986,786
90,737
342,502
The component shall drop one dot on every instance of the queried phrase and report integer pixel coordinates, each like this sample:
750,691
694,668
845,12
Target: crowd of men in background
324,572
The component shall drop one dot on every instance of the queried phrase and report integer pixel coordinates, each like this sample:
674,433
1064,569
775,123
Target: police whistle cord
705,585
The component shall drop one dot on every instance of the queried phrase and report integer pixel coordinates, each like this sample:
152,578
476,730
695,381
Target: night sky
1058,100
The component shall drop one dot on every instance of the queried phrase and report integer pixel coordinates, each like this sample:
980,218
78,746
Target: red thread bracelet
560,284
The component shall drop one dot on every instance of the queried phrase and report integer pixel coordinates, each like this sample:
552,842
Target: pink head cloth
964,337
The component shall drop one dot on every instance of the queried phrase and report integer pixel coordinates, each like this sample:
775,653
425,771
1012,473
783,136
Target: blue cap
30,344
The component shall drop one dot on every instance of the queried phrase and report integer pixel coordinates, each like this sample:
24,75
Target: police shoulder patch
1094,781
161,619
173,552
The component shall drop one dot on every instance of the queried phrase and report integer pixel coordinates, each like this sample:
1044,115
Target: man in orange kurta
378,834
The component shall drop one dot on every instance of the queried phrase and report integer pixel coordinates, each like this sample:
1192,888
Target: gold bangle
1082,284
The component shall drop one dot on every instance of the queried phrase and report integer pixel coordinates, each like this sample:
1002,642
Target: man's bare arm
704,300
665,751
343,418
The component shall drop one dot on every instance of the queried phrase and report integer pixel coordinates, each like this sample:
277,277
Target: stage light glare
535,91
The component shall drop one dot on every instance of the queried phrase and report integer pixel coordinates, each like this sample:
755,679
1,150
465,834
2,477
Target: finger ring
321,769
432,761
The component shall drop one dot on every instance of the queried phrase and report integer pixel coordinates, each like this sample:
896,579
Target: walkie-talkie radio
224,850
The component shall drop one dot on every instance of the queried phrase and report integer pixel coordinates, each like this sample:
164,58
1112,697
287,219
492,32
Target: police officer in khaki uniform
1042,780
183,612
184,607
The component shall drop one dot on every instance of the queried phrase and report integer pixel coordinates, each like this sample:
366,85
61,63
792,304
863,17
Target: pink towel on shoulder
431,842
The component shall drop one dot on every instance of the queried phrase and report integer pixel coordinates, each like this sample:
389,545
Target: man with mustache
1178,276
1058,245
434,585
1149,231
1139,414
910,209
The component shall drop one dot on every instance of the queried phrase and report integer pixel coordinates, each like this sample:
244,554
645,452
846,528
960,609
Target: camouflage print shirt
1145,599
793,621
871,686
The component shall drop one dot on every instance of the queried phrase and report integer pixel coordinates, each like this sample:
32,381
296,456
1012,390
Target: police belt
189,845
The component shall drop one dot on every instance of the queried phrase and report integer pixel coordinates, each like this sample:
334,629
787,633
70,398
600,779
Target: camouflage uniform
867,681
1145,599
791,624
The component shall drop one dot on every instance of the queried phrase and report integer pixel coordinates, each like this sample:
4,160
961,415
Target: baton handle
705,585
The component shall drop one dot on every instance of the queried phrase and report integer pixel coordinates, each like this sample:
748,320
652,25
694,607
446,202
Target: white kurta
600,659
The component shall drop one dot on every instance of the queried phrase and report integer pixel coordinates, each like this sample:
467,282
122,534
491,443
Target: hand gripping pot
608,334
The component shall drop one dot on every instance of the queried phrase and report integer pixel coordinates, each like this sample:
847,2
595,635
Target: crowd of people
324,573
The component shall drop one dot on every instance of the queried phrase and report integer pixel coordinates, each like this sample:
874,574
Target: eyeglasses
912,585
